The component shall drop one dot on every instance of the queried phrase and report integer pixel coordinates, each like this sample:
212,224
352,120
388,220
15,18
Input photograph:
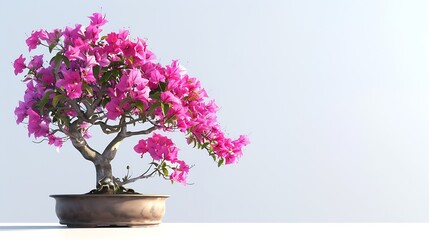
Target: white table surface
245,231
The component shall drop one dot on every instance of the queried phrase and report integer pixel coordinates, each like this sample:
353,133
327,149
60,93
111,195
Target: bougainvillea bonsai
113,81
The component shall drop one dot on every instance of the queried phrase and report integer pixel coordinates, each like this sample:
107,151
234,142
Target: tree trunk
103,170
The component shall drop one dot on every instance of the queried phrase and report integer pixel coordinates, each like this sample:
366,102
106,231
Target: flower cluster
113,81
162,149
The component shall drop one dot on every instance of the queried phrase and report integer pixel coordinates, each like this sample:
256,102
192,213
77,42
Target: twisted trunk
103,170
101,161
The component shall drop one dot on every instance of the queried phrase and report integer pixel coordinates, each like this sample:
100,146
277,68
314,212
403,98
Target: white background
333,95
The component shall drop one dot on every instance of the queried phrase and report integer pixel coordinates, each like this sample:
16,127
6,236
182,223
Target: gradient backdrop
334,96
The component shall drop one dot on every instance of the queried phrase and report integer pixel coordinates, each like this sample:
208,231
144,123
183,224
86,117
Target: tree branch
79,111
106,128
142,132
111,149
80,143
143,176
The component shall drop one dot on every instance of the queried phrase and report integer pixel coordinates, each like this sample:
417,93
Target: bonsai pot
103,210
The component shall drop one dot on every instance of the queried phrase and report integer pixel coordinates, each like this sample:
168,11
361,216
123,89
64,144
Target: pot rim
108,195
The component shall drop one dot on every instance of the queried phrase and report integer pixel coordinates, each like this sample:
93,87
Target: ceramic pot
103,210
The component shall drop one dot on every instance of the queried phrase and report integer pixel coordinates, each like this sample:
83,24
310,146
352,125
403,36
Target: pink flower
71,83
48,77
176,106
131,79
141,147
242,141
97,19
36,62
168,97
113,42
180,173
77,50
56,141
74,90
230,150
71,33
123,34
159,147
102,59
140,92
128,48
113,109
21,112
125,83
156,147
33,40
19,65
90,61
173,70
91,32
36,125
84,128
51,37
87,75
140,49
156,77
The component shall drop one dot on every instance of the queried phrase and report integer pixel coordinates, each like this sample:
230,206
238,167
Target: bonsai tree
113,82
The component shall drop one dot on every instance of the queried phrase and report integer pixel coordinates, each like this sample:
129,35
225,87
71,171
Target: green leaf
220,162
165,108
57,60
106,76
139,105
52,46
56,99
64,120
52,59
124,101
165,171
112,74
152,108
155,95
116,63
44,101
96,72
162,86
105,101
65,60
88,88
205,144
191,140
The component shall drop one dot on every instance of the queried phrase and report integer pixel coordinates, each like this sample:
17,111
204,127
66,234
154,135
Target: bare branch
77,109
106,128
135,120
142,132
143,176
89,108
80,143
111,149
